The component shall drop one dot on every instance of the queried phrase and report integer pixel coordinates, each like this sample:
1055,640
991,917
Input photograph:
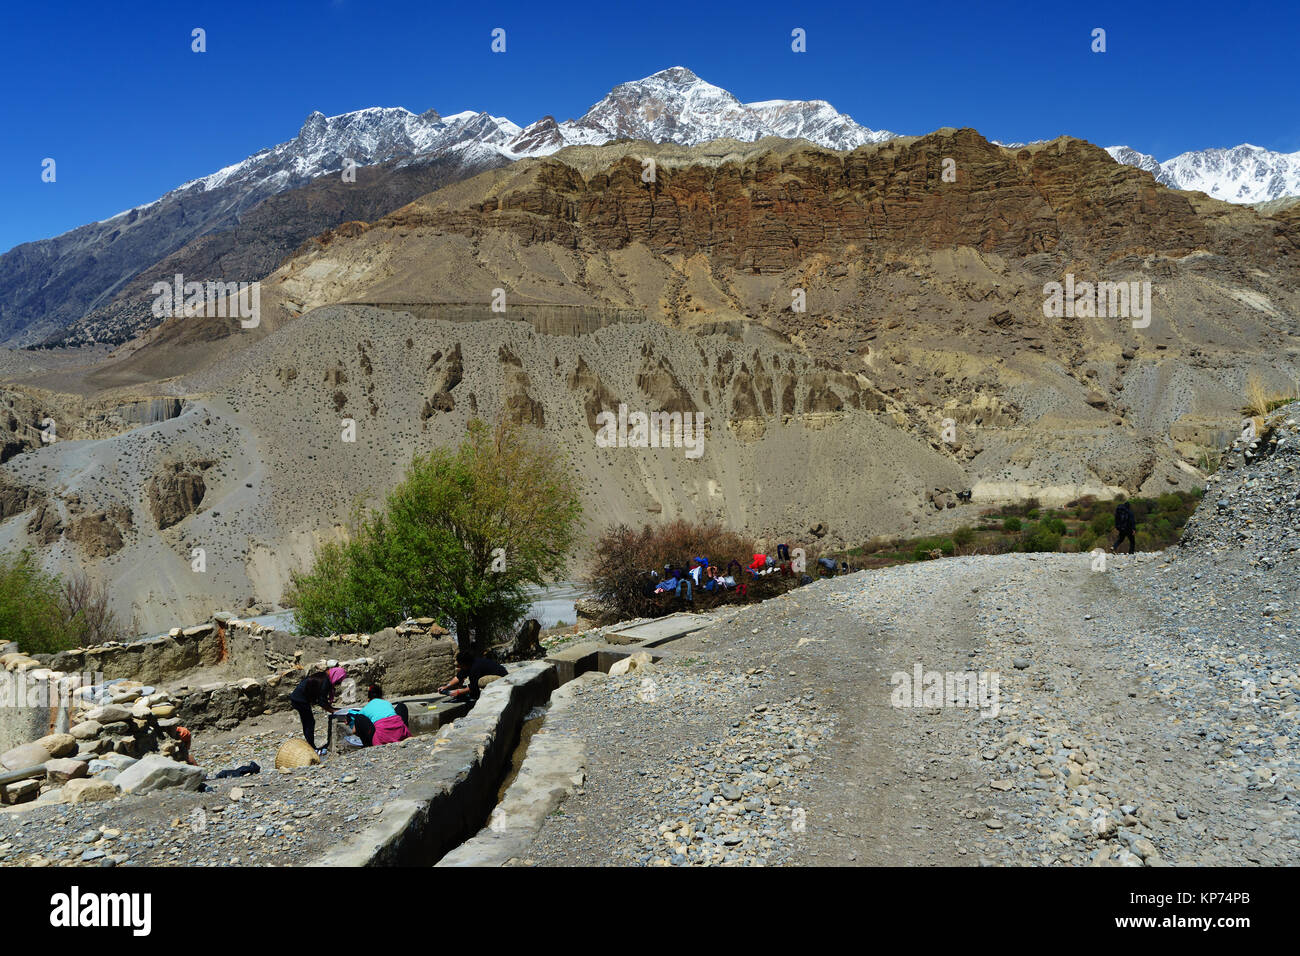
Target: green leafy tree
34,610
460,540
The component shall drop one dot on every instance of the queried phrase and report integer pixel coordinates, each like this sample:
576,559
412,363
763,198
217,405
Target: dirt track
1122,737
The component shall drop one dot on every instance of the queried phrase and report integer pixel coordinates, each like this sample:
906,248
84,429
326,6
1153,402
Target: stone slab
662,630
575,661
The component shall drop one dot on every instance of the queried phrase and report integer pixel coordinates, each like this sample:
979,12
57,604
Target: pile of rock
413,626
1250,506
112,725
129,728
15,660
941,498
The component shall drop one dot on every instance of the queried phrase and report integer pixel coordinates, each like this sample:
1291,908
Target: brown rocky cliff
176,491
769,211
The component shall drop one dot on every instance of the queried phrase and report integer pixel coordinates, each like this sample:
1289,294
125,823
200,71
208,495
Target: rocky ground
1122,734
270,818
1146,711
1140,711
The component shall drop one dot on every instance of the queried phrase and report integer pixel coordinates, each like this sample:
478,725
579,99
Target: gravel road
1122,734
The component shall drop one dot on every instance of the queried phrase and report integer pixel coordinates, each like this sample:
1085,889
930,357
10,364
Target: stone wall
222,671
418,654
100,729
19,723
223,704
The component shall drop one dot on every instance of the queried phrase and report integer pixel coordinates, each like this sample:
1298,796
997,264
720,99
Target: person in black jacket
1125,525
315,690
470,668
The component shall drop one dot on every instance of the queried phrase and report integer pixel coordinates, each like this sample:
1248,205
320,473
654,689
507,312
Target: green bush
44,614
1012,524
1055,525
963,537
459,540
29,606
1041,538
922,548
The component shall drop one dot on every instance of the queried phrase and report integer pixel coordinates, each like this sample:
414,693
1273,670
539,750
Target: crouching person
379,722
470,670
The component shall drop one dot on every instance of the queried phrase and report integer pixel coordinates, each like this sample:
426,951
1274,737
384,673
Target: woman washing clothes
315,690
379,722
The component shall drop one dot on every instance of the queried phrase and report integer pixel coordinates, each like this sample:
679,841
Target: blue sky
113,93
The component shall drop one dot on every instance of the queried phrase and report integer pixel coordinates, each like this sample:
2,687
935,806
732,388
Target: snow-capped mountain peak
373,135
1131,157
675,105
1241,174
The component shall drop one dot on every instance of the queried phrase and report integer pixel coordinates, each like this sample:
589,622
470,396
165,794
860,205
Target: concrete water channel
498,769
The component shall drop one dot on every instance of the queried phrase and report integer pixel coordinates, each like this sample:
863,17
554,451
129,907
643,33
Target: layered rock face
764,213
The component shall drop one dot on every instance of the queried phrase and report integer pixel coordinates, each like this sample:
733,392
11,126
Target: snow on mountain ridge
367,136
675,105
1239,174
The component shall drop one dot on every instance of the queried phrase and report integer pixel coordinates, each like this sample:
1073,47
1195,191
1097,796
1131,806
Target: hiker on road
1125,525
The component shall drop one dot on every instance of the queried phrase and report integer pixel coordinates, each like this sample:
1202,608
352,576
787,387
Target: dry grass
1257,397
1260,399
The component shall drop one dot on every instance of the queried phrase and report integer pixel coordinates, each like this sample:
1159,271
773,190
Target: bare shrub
85,607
